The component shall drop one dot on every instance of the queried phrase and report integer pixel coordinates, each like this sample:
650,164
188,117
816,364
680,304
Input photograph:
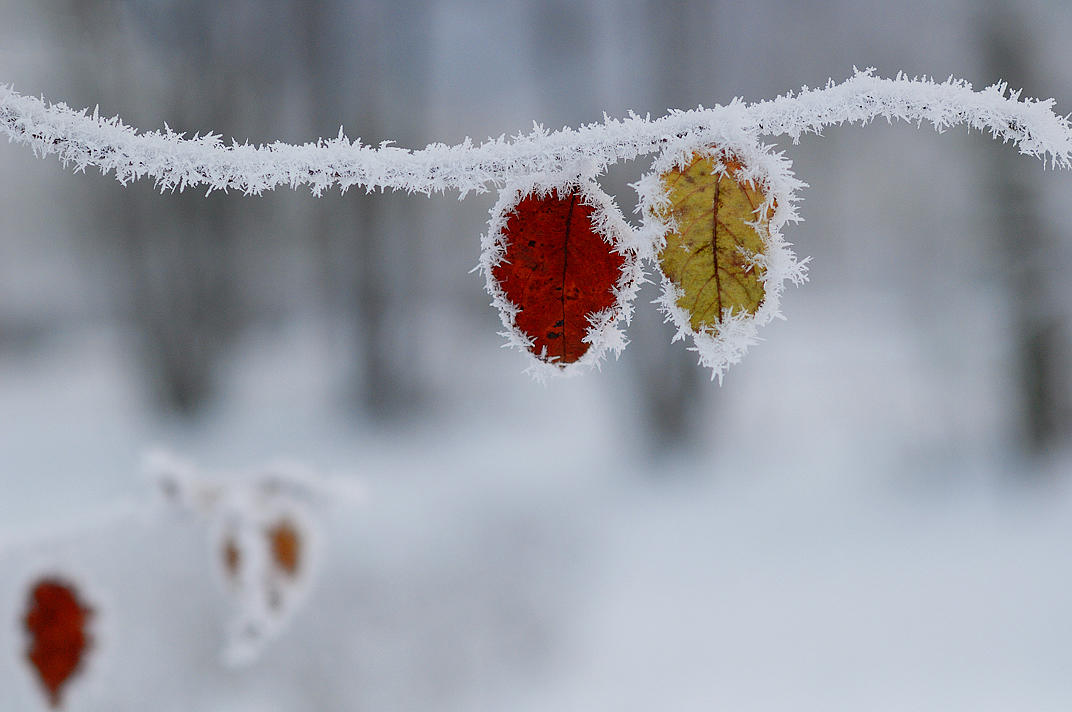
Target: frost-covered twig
174,162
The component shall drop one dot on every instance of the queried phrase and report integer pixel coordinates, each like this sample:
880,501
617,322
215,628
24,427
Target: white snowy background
861,517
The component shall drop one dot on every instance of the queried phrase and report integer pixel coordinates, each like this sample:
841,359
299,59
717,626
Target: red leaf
56,621
557,270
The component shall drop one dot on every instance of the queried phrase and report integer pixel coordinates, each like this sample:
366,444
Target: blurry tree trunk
563,56
174,252
1024,250
366,66
181,288
670,382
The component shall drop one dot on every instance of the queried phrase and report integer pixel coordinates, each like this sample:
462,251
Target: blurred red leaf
557,271
56,621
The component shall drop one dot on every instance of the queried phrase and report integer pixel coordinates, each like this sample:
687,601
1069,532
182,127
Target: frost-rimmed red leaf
561,266
57,622
739,156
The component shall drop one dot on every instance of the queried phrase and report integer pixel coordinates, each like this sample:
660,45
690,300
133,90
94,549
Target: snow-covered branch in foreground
265,538
83,140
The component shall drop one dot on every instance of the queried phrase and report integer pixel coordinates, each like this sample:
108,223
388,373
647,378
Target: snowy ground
852,543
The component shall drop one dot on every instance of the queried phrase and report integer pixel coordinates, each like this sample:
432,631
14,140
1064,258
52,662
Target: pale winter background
874,512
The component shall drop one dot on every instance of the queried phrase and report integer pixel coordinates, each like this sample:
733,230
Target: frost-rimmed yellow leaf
713,207
713,254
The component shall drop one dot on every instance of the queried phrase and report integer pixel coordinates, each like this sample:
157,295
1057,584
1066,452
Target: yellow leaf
711,251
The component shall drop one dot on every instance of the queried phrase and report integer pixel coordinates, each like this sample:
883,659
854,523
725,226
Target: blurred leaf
232,558
710,252
56,622
285,544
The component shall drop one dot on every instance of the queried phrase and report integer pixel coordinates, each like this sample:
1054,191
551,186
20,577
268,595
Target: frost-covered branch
82,140
560,168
